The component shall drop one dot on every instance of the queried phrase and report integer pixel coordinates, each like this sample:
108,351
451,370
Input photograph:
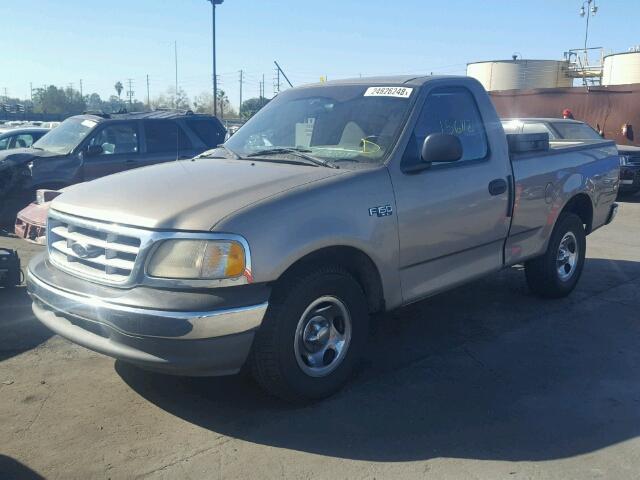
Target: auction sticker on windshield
88,123
401,92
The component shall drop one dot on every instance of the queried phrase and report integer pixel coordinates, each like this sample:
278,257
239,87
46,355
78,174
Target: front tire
556,273
312,335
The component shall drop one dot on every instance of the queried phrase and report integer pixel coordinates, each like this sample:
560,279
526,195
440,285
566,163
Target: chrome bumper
176,342
146,322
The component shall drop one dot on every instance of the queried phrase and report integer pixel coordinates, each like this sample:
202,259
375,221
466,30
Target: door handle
130,161
497,186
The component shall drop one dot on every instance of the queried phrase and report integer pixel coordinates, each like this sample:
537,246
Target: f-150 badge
381,211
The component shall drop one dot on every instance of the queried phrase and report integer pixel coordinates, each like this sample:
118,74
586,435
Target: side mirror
93,150
441,147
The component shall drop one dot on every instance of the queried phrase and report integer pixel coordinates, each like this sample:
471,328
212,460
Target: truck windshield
341,123
66,136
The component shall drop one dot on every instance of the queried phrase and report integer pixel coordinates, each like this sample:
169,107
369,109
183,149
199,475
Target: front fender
334,212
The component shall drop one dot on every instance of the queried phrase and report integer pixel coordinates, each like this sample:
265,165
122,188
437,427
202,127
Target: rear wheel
312,335
556,273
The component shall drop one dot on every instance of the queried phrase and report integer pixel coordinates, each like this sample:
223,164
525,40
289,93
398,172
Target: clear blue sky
100,42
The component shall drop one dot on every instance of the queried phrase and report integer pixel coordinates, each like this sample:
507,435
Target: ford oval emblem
85,251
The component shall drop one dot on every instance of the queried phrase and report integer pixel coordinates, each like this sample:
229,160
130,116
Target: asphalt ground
484,382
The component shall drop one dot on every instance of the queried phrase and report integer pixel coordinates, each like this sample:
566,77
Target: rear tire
312,335
556,273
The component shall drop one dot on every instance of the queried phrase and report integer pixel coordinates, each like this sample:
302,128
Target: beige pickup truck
334,202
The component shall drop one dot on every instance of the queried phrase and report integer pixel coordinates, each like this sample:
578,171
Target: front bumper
184,342
31,223
629,178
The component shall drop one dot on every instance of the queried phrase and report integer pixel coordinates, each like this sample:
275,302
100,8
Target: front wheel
312,335
556,273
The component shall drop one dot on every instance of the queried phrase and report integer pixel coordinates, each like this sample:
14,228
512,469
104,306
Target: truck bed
542,179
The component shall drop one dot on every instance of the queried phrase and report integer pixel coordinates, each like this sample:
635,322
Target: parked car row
334,202
21,137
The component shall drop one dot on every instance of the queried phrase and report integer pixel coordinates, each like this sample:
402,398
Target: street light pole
213,36
593,9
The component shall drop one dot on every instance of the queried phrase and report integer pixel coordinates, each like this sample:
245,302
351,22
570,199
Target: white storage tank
621,68
520,74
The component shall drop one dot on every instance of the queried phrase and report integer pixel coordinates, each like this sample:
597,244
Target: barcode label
400,92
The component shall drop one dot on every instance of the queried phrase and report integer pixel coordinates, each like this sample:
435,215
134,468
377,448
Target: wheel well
581,206
356,262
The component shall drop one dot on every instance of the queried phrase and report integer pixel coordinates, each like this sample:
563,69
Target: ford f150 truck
334,202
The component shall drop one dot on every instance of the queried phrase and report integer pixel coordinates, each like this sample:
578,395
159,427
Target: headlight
197,259
624,160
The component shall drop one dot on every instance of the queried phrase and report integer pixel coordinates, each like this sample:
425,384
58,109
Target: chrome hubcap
322,336
567,256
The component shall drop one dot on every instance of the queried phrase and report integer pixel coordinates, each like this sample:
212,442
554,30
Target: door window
4,143
23,140
118,138
165,136
451,111
209,131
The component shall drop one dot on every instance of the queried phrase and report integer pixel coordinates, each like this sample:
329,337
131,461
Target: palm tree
222,99
118,86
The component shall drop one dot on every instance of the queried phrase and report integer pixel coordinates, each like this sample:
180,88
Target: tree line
68,101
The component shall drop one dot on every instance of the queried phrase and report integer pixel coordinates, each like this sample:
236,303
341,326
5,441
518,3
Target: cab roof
408,80
156,114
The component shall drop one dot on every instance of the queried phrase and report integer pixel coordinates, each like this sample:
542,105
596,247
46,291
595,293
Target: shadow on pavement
19,329
486,371
14,470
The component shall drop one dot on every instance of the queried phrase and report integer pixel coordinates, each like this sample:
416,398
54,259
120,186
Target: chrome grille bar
94,250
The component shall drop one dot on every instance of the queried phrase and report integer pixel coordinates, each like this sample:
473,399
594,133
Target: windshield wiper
298,152
208,153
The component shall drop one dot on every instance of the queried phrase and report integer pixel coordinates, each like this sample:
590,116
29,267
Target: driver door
452,225
120,143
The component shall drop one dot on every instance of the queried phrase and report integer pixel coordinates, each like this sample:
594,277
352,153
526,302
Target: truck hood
184,195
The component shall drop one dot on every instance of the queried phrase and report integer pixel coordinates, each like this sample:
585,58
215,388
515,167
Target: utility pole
213,43
148,98
240,105
130,91
175,50
81,88
218,83
31,91
276,83
283,74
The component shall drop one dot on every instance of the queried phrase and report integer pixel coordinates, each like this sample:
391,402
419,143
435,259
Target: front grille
93,250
